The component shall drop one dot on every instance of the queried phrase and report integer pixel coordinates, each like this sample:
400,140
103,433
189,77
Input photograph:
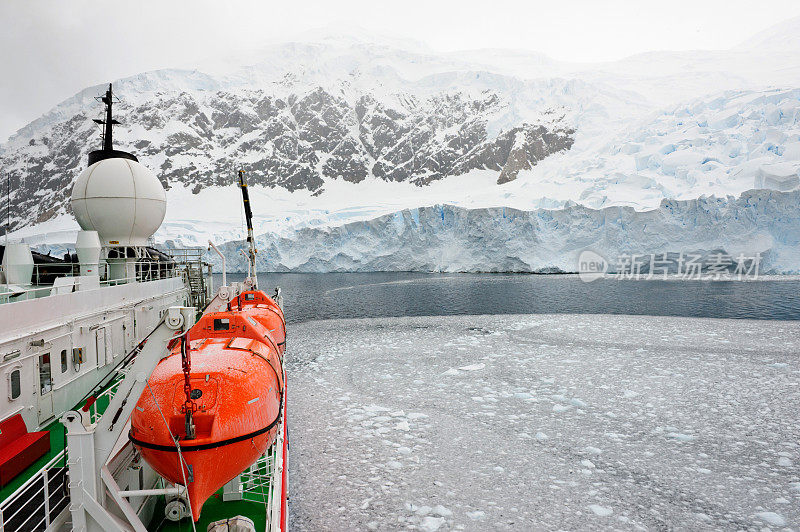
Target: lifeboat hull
237,383
263,309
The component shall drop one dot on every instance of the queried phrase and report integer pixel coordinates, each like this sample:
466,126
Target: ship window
249,297
222,324
251,320
64,361
45,384
14,384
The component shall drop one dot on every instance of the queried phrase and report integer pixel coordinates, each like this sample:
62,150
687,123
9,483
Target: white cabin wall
117,316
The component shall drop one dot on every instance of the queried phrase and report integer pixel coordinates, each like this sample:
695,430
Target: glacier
446,238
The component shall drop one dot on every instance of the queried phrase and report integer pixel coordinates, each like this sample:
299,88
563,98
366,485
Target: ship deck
22,501
214,509
56,430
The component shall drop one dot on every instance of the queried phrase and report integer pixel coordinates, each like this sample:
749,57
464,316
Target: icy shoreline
544,422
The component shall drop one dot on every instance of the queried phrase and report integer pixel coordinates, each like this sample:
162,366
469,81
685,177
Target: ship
94,343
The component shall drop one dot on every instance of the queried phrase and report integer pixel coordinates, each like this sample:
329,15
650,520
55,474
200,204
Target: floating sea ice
416,415
577,402
403,425
476,515
404,450
451,371
473,367
772,518
784,462
592,450
680,436
442,511
561,408
431,524
629,394
601,511
541,436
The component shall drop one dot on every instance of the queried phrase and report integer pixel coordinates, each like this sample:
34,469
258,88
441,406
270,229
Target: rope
180,455
213,445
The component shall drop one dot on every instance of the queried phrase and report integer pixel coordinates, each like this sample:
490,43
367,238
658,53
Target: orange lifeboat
235,393
263,309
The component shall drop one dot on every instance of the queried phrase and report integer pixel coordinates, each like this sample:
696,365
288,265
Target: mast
248,215
109,121
108,151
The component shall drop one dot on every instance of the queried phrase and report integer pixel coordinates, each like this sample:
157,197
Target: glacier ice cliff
444,238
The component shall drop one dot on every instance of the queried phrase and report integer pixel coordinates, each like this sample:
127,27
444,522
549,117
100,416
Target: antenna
248,215
8,205
109,121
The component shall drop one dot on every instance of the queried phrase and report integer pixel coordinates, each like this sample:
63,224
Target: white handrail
33,477
246,258
221,256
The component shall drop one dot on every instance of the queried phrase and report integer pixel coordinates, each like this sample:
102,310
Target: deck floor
213,510
57,441
56,430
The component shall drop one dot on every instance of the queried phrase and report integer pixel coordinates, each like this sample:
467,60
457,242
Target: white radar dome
120,199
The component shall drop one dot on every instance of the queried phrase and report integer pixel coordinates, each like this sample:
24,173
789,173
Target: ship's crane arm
248,215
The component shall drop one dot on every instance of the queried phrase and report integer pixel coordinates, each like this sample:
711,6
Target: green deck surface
253,507
213,510
56,430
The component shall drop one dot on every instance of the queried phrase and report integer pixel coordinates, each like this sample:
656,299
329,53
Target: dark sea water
310,296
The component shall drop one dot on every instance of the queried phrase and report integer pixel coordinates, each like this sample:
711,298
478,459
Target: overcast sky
53,49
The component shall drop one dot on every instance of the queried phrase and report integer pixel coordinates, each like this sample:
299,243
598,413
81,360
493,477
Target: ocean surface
309,296
543,422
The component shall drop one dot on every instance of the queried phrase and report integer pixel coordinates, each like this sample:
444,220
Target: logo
591,266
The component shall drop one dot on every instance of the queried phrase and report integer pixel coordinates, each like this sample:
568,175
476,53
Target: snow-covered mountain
342,133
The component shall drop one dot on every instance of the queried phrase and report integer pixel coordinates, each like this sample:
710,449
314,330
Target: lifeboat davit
235,392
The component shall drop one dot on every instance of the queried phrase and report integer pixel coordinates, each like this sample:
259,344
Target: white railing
145,271
40,502
257,482
109,393
262,483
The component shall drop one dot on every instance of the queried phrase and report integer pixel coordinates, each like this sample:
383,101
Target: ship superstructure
67,323
105,336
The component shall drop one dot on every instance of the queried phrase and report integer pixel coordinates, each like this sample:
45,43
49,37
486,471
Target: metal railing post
46,480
